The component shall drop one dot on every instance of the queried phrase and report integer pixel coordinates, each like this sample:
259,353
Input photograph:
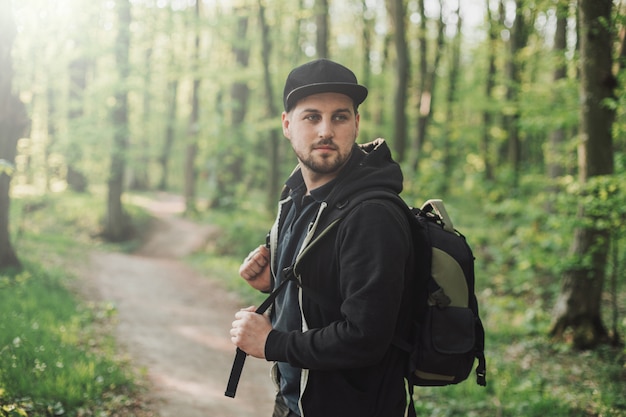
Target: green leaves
604,198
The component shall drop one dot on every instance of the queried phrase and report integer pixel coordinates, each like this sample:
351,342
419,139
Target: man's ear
285,123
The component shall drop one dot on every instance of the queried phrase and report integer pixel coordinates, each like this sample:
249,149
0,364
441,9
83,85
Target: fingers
255,263
253,268
249,331
260,254
241,313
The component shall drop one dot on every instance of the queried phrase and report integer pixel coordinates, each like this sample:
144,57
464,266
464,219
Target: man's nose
325,129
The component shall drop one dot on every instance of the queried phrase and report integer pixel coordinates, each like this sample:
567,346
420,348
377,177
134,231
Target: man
331,333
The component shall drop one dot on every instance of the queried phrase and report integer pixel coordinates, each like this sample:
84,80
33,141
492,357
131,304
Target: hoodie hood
371,167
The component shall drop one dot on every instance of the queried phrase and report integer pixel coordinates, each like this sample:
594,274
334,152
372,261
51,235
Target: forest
511,111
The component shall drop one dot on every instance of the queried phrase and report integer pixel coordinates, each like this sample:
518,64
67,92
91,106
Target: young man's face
322,129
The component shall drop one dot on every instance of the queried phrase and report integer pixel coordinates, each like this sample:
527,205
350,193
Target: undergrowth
57,355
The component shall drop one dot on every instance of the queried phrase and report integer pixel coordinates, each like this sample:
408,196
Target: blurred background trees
512,108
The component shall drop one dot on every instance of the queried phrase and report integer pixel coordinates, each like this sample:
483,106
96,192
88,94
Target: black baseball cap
321,76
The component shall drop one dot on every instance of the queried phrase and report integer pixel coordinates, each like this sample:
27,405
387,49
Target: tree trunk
170,133
191,171
455,66
117,225
579,305
560,73
423,101
52,117
13,124
76,180
485,144
272,112
140,177
368,34
323,30
428,79
230,165
556,138
511,119
398,13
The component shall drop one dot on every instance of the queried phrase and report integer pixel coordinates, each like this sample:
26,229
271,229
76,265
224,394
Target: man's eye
312,117
341,117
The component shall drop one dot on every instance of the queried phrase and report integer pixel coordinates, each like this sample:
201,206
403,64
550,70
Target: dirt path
174,323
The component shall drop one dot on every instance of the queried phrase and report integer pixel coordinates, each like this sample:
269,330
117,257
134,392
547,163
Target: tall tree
231,171
191,150
451,99
170,129
171,102
517,42
322,32
493,27
367,33
78,68
272,111
557,136
139,172
579,304
13,124
427,78
117,223
397,11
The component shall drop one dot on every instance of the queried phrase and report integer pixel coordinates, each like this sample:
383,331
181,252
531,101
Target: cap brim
356,92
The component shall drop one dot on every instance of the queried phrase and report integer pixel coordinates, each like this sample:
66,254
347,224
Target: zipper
307,244
273,237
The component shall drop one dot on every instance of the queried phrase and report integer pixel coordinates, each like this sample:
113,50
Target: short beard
325,167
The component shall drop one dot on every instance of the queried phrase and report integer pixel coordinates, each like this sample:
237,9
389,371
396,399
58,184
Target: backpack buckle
439,299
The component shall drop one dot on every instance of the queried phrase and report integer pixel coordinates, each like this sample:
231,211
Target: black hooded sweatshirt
359,262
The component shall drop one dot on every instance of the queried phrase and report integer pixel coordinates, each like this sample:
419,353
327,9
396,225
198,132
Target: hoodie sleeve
372,249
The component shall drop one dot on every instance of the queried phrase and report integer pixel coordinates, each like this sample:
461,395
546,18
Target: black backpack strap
340,210
240,355
481,369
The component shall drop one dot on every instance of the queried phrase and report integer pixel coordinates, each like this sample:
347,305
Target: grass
50,357
57,355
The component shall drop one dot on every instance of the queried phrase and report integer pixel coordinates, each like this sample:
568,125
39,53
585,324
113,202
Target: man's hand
250,331
255,269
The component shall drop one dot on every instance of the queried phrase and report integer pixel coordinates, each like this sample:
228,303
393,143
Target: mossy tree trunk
578,308
117,224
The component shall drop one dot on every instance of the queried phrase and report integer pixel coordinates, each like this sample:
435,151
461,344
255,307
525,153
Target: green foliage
604,199
51,359
56,354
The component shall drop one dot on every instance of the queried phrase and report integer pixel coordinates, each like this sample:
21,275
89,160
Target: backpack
448,335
